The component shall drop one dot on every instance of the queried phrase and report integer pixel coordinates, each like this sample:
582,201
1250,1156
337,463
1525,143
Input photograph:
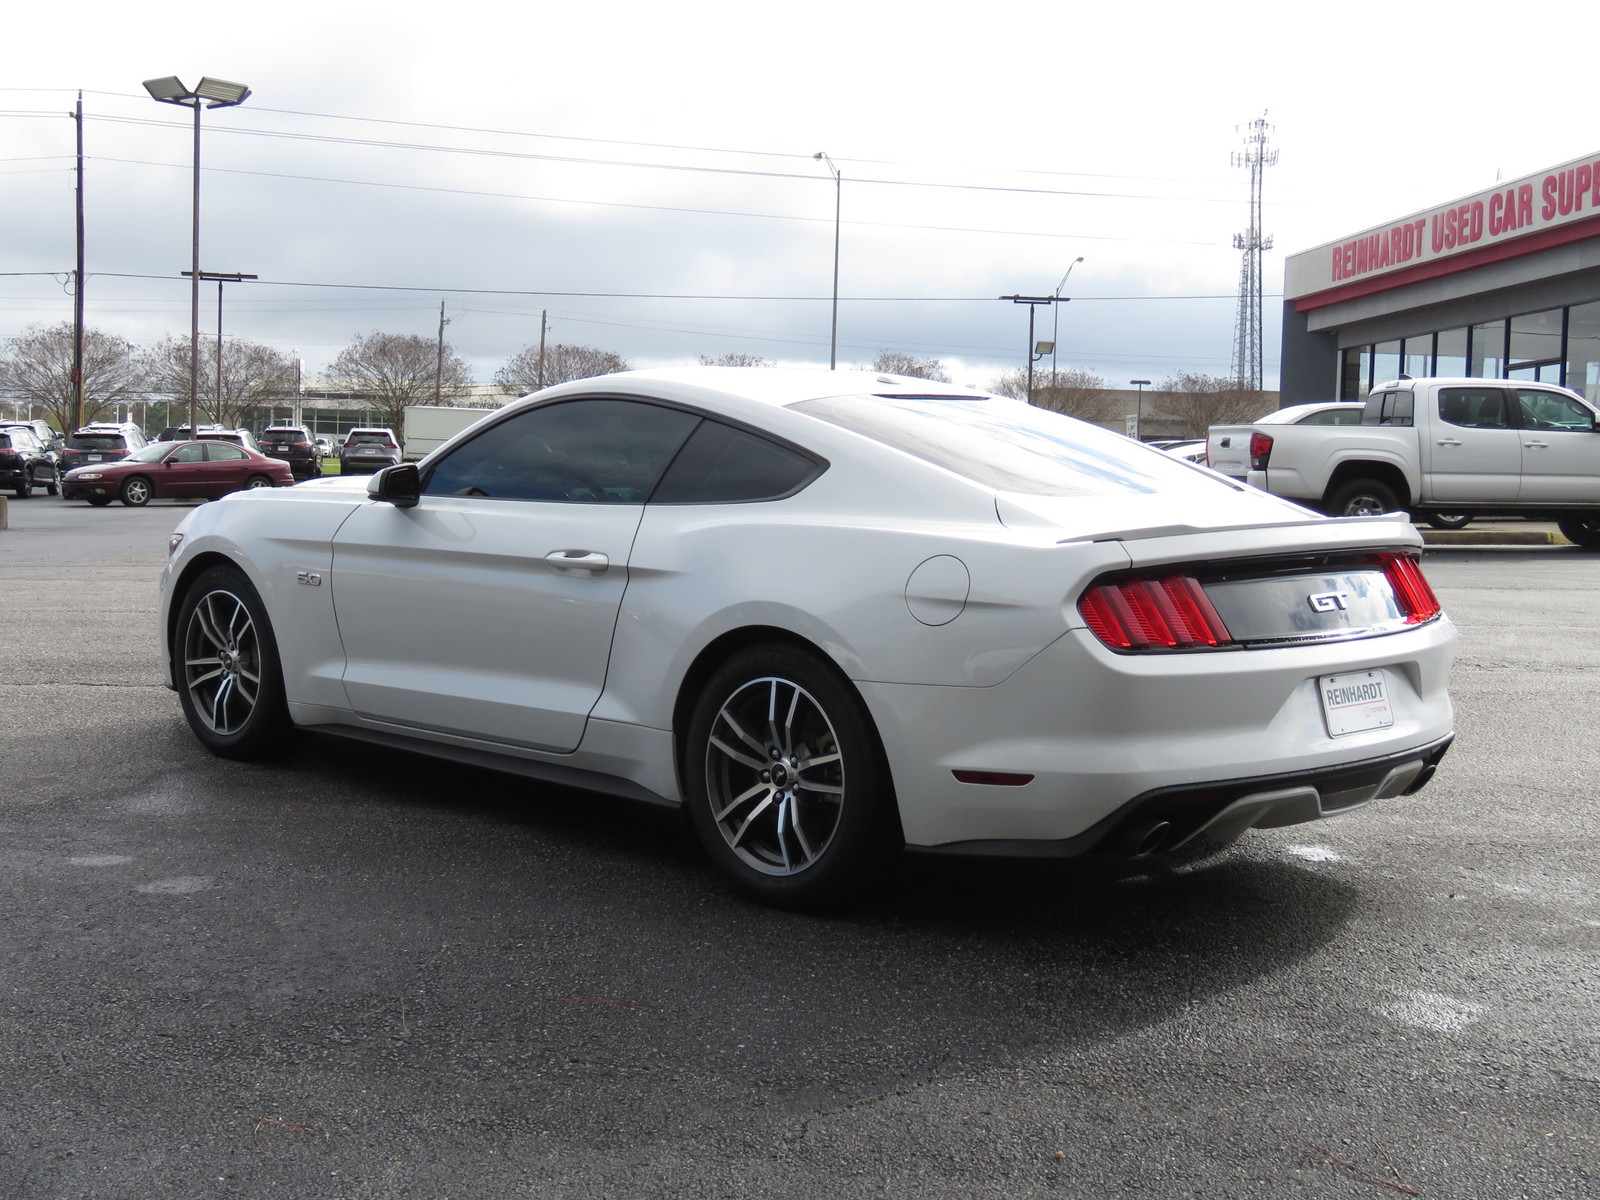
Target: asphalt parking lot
357,974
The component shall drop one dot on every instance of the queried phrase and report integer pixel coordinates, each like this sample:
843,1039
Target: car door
1473,451
182,474
227,467
488,609
1560,448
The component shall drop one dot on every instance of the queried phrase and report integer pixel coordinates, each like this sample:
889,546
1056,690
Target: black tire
787,788
1581,530
53,487
98,501
1362,498
136,491
257,481
226,665
1448,520
24,487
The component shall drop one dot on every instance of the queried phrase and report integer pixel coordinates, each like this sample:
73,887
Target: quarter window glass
578,451
1550,410
721,464
1350,416
1475,408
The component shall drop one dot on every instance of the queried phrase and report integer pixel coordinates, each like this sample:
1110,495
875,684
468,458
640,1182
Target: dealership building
1503,284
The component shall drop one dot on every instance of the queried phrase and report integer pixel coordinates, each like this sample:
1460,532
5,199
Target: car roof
1288,416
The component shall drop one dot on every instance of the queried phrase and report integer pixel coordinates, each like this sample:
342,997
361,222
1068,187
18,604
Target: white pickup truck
1474,447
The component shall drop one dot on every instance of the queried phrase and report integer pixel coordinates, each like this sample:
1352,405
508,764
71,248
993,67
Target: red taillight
1411,590
1260,450
1170,613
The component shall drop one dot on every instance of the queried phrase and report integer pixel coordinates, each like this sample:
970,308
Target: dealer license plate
1356,702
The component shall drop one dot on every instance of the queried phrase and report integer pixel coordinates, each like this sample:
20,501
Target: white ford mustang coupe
831,615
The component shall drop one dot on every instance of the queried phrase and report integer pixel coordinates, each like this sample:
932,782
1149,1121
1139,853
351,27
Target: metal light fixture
209,93
838,197
1036,350
1138,415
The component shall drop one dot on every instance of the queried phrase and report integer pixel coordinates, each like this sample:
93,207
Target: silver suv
368,449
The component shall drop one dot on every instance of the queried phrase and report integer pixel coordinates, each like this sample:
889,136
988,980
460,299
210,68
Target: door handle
1536,445
1448,441
578,562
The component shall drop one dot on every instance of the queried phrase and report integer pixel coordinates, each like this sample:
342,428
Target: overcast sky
644,172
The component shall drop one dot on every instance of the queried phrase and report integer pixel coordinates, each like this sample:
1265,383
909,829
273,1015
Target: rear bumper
1167,818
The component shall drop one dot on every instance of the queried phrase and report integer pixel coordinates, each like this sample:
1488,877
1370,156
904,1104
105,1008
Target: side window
579,451
1474,408
1386,408
190,454
222,452
1550,410
1344,416
721,464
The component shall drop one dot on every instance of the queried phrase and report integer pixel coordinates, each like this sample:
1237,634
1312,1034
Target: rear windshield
5,441
97,441
1009,445
380,438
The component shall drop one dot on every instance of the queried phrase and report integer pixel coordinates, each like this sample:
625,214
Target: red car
200,470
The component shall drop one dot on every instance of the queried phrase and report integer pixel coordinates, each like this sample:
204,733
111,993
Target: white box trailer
429,426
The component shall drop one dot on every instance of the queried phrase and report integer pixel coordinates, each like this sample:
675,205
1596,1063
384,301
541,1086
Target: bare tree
893,362
252,375
36,368
1198,402
735,360
392,370
524,372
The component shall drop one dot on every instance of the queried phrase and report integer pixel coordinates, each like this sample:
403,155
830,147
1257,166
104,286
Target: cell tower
1247,332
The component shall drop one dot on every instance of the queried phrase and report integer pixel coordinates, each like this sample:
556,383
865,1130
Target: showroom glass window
1536,346
1386,362
1451,358
1583,350
1417,354
589,451
1487,356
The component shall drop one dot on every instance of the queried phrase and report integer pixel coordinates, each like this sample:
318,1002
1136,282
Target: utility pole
1247,329
438,364
544,322
77,289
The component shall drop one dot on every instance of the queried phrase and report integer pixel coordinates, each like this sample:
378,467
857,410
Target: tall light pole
1138,413
838,198
221,277
208,93
1038,350
1055,324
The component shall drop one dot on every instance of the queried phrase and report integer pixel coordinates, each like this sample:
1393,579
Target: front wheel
52,485
1581,530
136,491
229,676
787,788
98,501
1362,498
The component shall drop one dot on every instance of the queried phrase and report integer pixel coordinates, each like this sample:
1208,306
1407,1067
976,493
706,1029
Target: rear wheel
52,486
24,487
229,676
98,501
787,788
1448,520
1582,530
257,481
1362,498
136,491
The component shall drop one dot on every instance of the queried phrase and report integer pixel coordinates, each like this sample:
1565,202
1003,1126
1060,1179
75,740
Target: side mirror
399,485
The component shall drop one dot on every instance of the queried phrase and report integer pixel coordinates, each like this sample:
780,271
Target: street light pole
838,199
221,277
1036,351
1138,413
1055,325
208,93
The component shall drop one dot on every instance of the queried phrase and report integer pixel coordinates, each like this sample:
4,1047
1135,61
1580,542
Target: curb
1493,537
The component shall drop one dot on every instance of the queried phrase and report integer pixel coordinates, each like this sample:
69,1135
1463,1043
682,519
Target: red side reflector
993,778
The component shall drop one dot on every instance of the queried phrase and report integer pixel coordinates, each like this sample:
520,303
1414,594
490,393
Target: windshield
154,452
1011,446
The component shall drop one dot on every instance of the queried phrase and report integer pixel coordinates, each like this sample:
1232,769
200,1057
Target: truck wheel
1581,530
1448,520
1362,498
